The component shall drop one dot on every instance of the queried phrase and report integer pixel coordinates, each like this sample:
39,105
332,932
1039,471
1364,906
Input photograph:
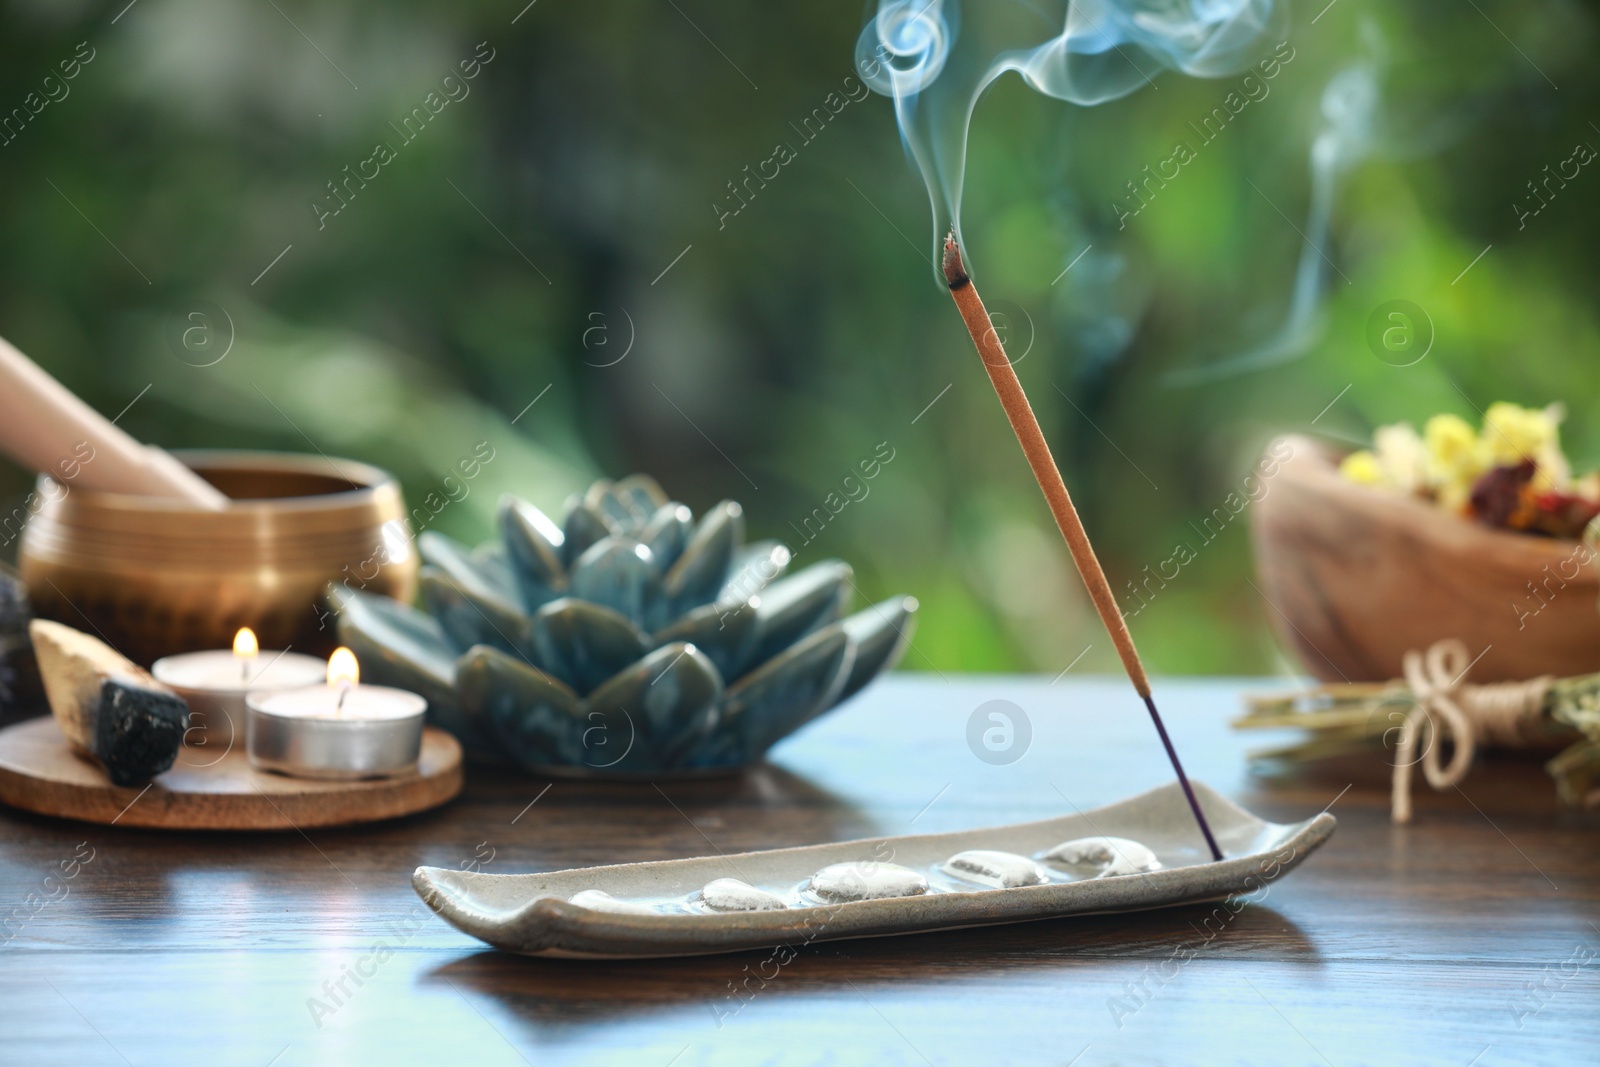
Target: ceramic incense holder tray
1140,853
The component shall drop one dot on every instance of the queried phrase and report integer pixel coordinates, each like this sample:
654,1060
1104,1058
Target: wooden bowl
156,577
1355,576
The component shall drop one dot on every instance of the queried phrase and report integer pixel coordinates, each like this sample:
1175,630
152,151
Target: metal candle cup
215,684
377,733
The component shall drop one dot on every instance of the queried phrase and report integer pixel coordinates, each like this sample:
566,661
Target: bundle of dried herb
1351,718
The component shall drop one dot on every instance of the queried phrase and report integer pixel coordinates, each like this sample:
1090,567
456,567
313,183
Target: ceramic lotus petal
627,638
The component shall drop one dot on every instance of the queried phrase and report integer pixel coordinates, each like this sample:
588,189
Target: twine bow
1444,708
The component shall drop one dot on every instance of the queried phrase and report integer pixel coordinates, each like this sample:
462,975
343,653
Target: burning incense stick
1045,472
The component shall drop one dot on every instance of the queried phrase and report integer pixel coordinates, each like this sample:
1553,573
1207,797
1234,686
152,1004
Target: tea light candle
339,730
216,683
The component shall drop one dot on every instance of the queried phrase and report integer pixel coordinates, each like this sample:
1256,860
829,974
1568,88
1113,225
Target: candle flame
245,645
343,670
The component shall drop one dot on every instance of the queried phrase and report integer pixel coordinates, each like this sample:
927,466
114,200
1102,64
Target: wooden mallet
43,425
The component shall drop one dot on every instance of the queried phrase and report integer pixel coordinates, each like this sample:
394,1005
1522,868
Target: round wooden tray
40,772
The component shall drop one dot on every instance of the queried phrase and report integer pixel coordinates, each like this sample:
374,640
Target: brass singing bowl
154,577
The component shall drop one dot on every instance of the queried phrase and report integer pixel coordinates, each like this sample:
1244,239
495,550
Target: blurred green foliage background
513,250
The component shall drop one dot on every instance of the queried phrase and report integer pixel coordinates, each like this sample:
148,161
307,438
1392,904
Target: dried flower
1402,456
1362,468
1511,474
1502,497
1513,434
1456,459
1398,461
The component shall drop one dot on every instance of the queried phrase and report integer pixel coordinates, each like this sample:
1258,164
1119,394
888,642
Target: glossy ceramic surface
626,640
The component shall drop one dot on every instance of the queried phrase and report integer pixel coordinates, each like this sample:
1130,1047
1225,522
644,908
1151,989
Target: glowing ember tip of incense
955,272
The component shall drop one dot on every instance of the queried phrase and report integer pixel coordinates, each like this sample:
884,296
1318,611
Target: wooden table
1469,937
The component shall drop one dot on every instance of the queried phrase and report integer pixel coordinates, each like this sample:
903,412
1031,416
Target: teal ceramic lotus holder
628,640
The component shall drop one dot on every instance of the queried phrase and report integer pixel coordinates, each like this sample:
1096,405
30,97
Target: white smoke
1349,113
1085,52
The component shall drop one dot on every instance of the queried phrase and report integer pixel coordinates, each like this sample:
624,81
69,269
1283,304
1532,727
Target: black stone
14,609
21,694
138,731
